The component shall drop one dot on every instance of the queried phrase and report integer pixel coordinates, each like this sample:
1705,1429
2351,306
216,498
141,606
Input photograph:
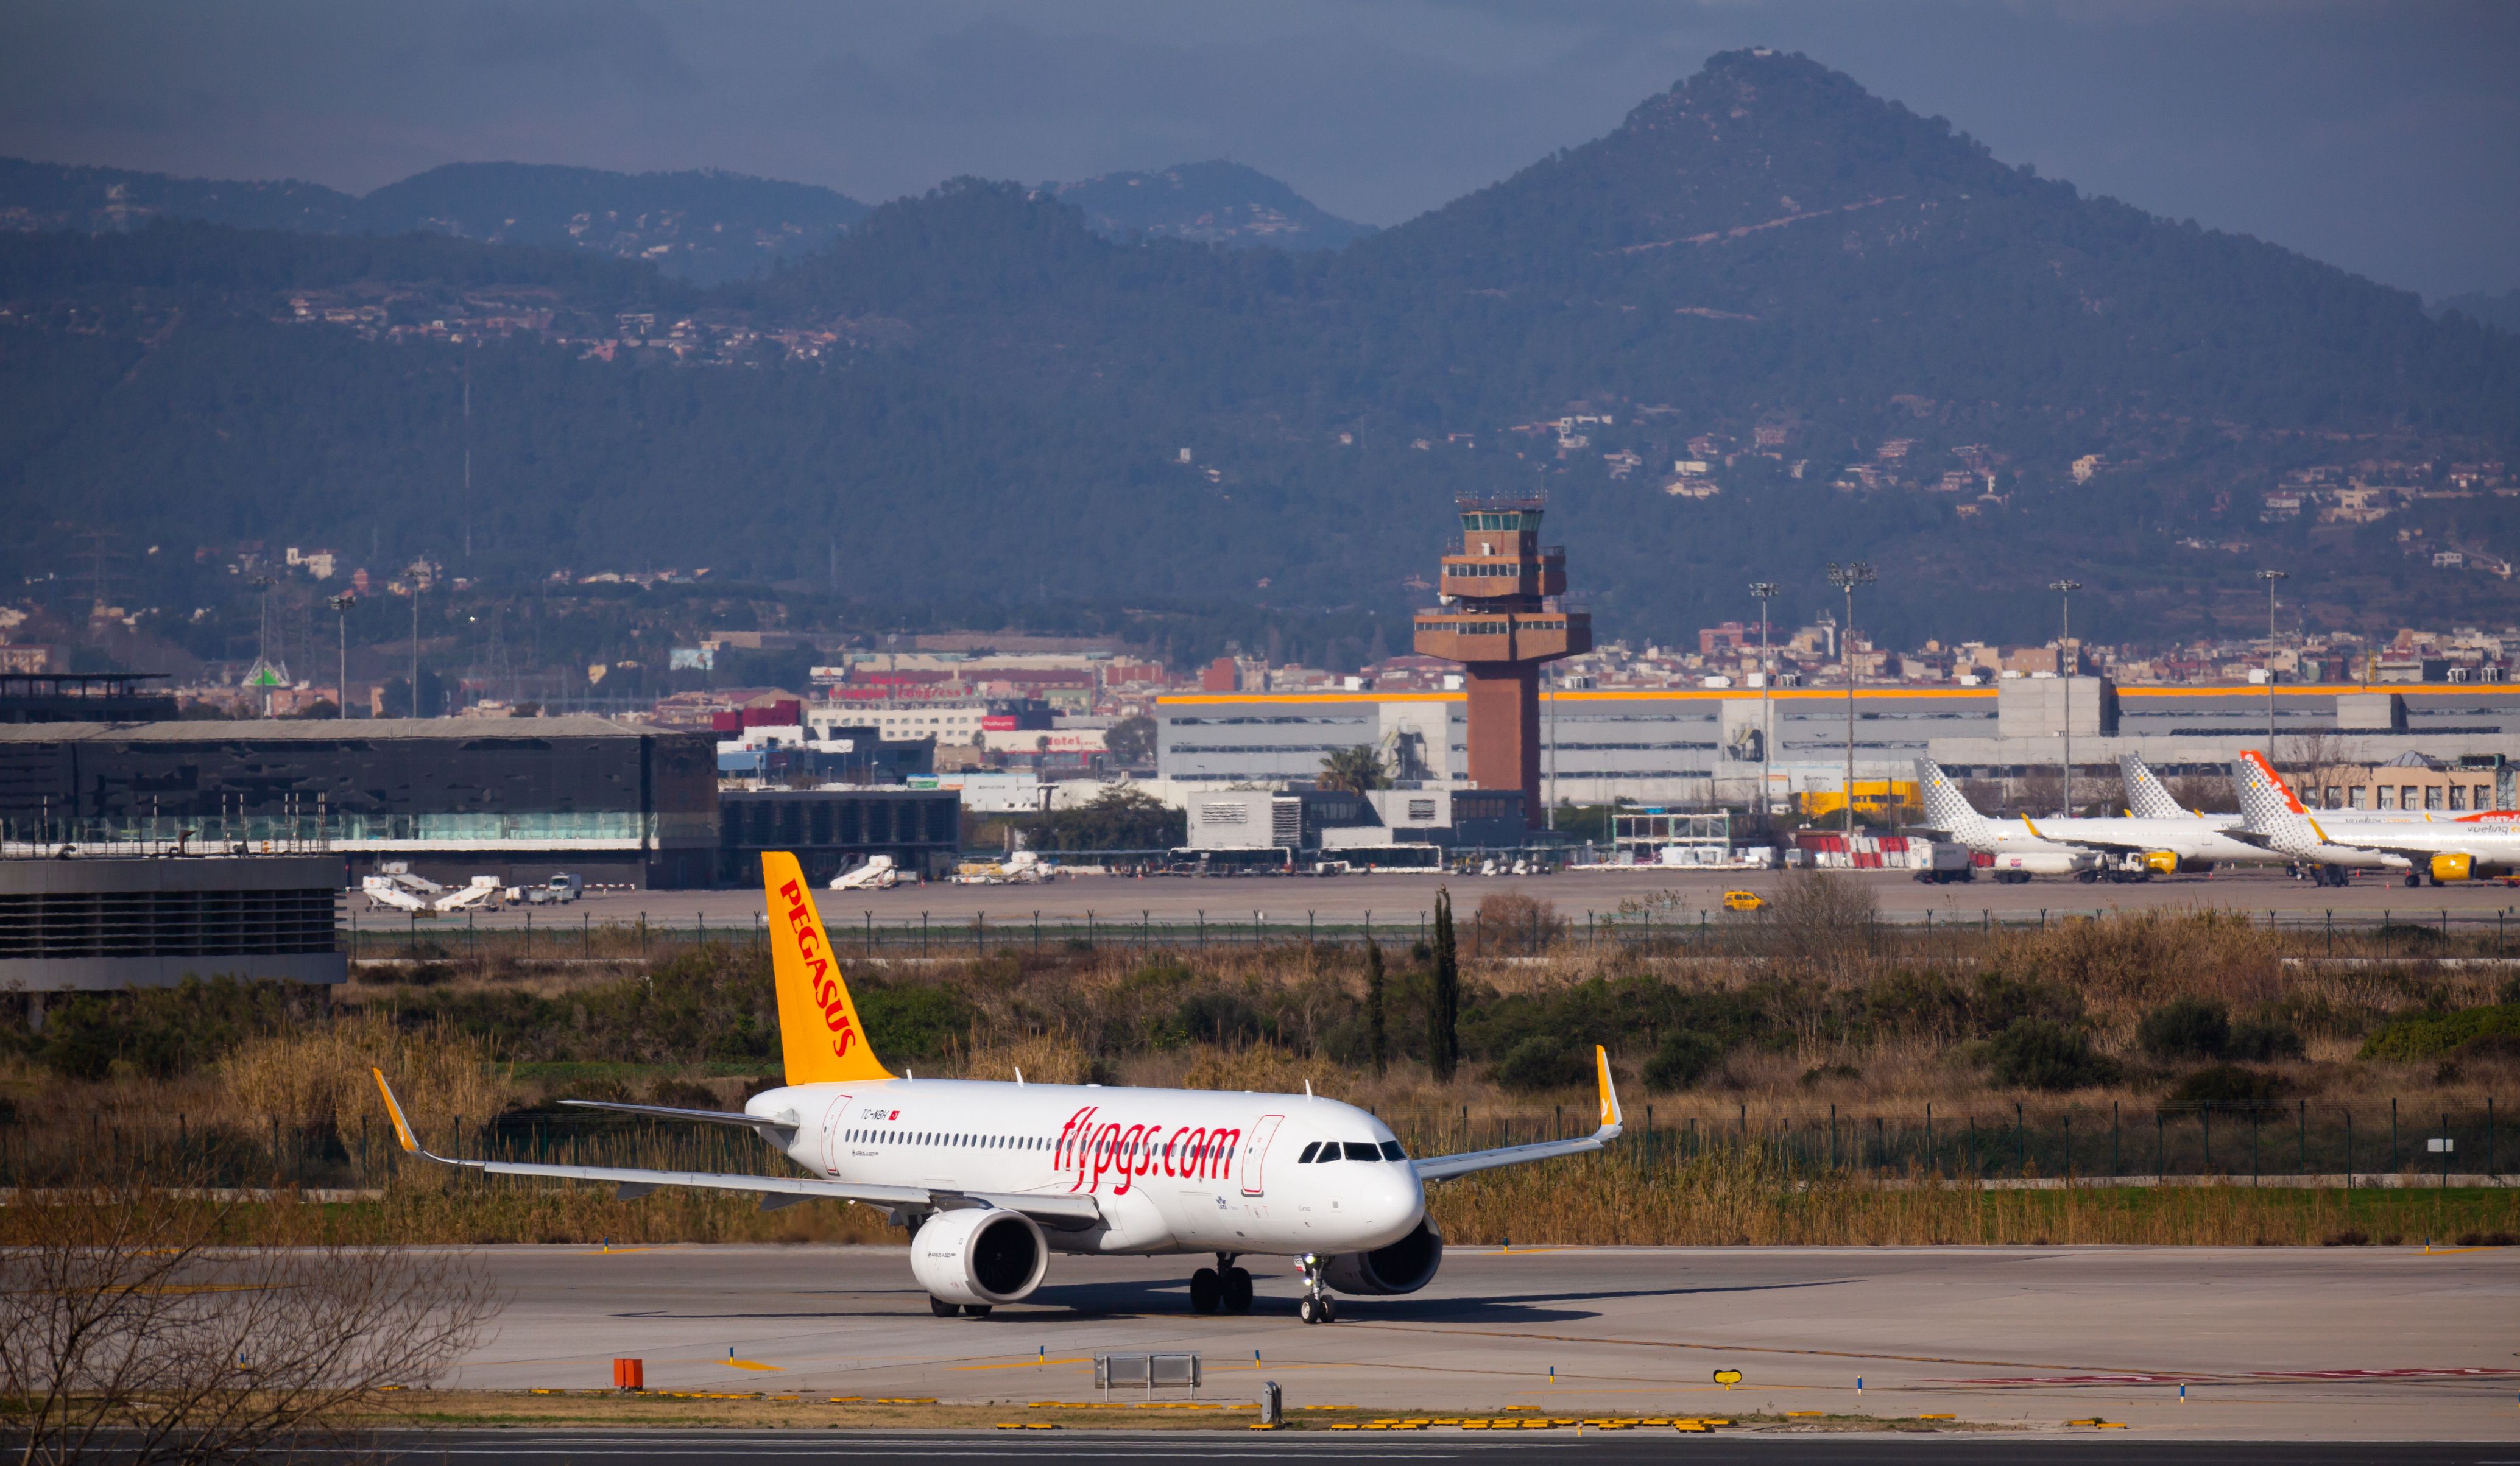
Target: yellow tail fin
818,1025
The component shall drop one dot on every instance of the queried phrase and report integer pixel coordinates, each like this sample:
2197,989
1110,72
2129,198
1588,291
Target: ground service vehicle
1744,901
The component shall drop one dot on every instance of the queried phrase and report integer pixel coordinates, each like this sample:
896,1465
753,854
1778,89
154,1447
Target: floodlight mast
2064,649
1846,578
341,605
1765,591
2271,577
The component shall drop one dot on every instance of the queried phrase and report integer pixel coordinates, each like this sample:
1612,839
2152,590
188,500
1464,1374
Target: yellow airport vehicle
1744,901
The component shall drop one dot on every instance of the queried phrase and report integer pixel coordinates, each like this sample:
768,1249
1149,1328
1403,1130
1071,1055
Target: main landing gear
1221,1289
1317,1305
943,1309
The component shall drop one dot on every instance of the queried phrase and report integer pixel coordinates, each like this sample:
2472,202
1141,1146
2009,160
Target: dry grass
1739,1197
320,1076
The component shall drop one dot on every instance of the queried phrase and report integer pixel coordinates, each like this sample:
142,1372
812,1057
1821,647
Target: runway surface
1397,902
707,1449
2343,1344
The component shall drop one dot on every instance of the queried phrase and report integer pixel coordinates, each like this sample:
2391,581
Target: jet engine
1404,1266
2461,866
979,1257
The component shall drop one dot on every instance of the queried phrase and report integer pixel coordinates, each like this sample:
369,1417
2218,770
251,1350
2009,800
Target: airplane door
1255,1149
835,1125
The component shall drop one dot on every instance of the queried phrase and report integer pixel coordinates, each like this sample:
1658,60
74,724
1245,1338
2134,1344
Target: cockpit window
1306,1158
1362,1150
1391,1151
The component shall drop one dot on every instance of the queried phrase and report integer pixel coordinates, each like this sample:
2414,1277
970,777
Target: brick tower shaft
1503,615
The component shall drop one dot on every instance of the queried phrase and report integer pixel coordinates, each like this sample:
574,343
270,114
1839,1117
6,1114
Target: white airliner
2019,853
2179,840
993,1177
2447,850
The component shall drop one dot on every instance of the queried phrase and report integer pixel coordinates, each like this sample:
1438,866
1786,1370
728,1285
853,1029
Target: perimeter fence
2443,934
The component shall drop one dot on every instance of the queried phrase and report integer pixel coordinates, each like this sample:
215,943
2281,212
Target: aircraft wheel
1309,1310
975,1310
1238,1290
2414,879
1329,1309
1207,1291
941,1309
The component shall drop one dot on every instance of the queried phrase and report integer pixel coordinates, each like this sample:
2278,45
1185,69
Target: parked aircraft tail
1947,809
2147,798
2267,804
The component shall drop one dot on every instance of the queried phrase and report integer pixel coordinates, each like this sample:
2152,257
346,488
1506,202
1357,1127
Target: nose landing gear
1223,1288
1317,1306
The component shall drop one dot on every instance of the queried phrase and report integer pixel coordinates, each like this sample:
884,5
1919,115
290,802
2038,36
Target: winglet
2316,830
1611,1117
393,1111
2033,828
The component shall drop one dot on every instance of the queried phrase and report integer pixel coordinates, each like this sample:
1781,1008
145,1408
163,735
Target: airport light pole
341,605
415,642
2271,577
2064,649
1846,578
1765,591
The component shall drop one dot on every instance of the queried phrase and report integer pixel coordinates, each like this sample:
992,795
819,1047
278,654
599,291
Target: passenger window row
952,1138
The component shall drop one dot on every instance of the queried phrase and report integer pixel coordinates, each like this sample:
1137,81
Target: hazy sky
2382,136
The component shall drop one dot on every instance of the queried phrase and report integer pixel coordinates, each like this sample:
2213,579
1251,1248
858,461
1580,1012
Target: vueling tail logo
827,994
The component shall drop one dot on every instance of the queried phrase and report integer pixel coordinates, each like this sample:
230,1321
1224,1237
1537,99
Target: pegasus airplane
992,1178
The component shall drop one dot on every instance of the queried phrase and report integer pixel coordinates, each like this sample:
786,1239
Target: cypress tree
1444,1008
1378,1047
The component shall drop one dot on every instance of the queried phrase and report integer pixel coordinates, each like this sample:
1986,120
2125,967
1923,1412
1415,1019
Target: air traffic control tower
1501,616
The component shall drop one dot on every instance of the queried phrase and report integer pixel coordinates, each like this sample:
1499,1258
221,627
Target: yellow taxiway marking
1023,1365
615,1252
755,1364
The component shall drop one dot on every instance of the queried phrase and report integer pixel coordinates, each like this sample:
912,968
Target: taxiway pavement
2272,1343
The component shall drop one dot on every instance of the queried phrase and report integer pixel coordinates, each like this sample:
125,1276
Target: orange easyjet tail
819,1031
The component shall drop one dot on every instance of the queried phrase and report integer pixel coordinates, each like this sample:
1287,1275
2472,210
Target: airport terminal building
1692,747
452,798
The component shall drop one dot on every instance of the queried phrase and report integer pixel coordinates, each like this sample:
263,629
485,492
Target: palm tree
1354,769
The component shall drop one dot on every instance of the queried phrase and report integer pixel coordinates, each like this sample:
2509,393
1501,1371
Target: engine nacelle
1404,1266
2164,862
2451,868
979,1255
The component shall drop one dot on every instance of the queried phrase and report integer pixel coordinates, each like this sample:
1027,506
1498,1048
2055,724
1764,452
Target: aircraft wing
2378,846
1059,1211
1440,1167
2092,843
712,1117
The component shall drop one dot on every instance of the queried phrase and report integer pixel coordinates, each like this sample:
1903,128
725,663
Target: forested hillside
1207,203
1869,337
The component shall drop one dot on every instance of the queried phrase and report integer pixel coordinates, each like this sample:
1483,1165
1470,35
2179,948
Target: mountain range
1768,322
705,226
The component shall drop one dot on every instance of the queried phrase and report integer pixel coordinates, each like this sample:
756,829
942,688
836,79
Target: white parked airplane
993,1176
2447,850
2178,840
2148,799
2019,853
